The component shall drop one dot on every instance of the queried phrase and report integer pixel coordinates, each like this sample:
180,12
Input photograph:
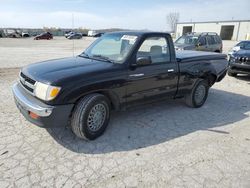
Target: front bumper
48,116
239,68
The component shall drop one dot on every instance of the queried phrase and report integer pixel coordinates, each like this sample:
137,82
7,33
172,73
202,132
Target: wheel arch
111,96
210,77
207,72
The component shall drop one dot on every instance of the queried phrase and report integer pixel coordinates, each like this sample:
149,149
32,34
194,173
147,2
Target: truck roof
139,33
201,33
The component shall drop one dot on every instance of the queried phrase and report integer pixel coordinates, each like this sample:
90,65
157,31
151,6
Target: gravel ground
160,145
24,51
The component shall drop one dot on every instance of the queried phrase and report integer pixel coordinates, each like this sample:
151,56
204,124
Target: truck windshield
187,39
111,47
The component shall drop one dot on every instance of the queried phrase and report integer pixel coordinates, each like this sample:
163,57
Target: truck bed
187,56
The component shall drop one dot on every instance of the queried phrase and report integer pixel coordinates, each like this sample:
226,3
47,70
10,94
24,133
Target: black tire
81,116
231,74
192,98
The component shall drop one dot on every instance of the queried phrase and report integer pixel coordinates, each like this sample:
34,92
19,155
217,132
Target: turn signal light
54,92
33,115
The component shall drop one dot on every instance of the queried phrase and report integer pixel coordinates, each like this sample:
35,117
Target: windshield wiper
103,58
84,55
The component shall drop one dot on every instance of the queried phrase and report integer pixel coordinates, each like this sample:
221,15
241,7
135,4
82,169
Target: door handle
137,75
170,70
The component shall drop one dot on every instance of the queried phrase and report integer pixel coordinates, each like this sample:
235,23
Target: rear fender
204,71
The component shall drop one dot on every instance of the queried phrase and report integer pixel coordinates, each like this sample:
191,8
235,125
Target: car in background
10,33
92,33
206,41
25,34
98,35
68,33
44,36
84,34
236,48
75,36
239,59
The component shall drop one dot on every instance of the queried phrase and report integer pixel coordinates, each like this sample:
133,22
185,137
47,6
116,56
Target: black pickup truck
117,71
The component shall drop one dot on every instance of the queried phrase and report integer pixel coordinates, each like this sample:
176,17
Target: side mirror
142,61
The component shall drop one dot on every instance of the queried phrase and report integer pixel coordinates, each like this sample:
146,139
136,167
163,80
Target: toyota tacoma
117,71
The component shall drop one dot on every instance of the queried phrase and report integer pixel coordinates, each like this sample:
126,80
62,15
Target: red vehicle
44,36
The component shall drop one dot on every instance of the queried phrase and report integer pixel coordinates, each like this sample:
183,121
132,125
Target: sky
126,14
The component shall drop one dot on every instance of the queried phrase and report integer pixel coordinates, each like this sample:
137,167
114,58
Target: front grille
28,79
242,60
28,88
240,69
27,83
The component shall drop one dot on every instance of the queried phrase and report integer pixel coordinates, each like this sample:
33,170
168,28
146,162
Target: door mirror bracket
142,61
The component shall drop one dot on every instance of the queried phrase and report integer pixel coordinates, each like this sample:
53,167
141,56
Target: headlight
232,59
46,92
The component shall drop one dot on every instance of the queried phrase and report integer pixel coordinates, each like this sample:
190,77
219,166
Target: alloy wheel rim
200,94
96,117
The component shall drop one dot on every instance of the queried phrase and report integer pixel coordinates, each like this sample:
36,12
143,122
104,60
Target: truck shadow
156,123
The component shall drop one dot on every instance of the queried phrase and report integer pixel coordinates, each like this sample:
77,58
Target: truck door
159,77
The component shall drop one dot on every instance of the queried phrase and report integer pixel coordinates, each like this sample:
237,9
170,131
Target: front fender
113,89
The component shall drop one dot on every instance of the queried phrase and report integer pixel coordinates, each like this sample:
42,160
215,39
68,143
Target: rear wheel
91,116
198,96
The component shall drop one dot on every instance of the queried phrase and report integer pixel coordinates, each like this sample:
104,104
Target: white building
228,30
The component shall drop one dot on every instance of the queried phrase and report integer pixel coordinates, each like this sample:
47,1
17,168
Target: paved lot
23,51
161,145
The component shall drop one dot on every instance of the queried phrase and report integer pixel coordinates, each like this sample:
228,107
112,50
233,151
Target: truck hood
56,71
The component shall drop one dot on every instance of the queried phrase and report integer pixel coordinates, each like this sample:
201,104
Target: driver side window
155,47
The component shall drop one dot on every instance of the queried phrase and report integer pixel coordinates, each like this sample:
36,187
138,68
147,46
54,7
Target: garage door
186,29
226,32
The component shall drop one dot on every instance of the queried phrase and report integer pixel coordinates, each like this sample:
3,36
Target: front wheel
91,116
198,96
